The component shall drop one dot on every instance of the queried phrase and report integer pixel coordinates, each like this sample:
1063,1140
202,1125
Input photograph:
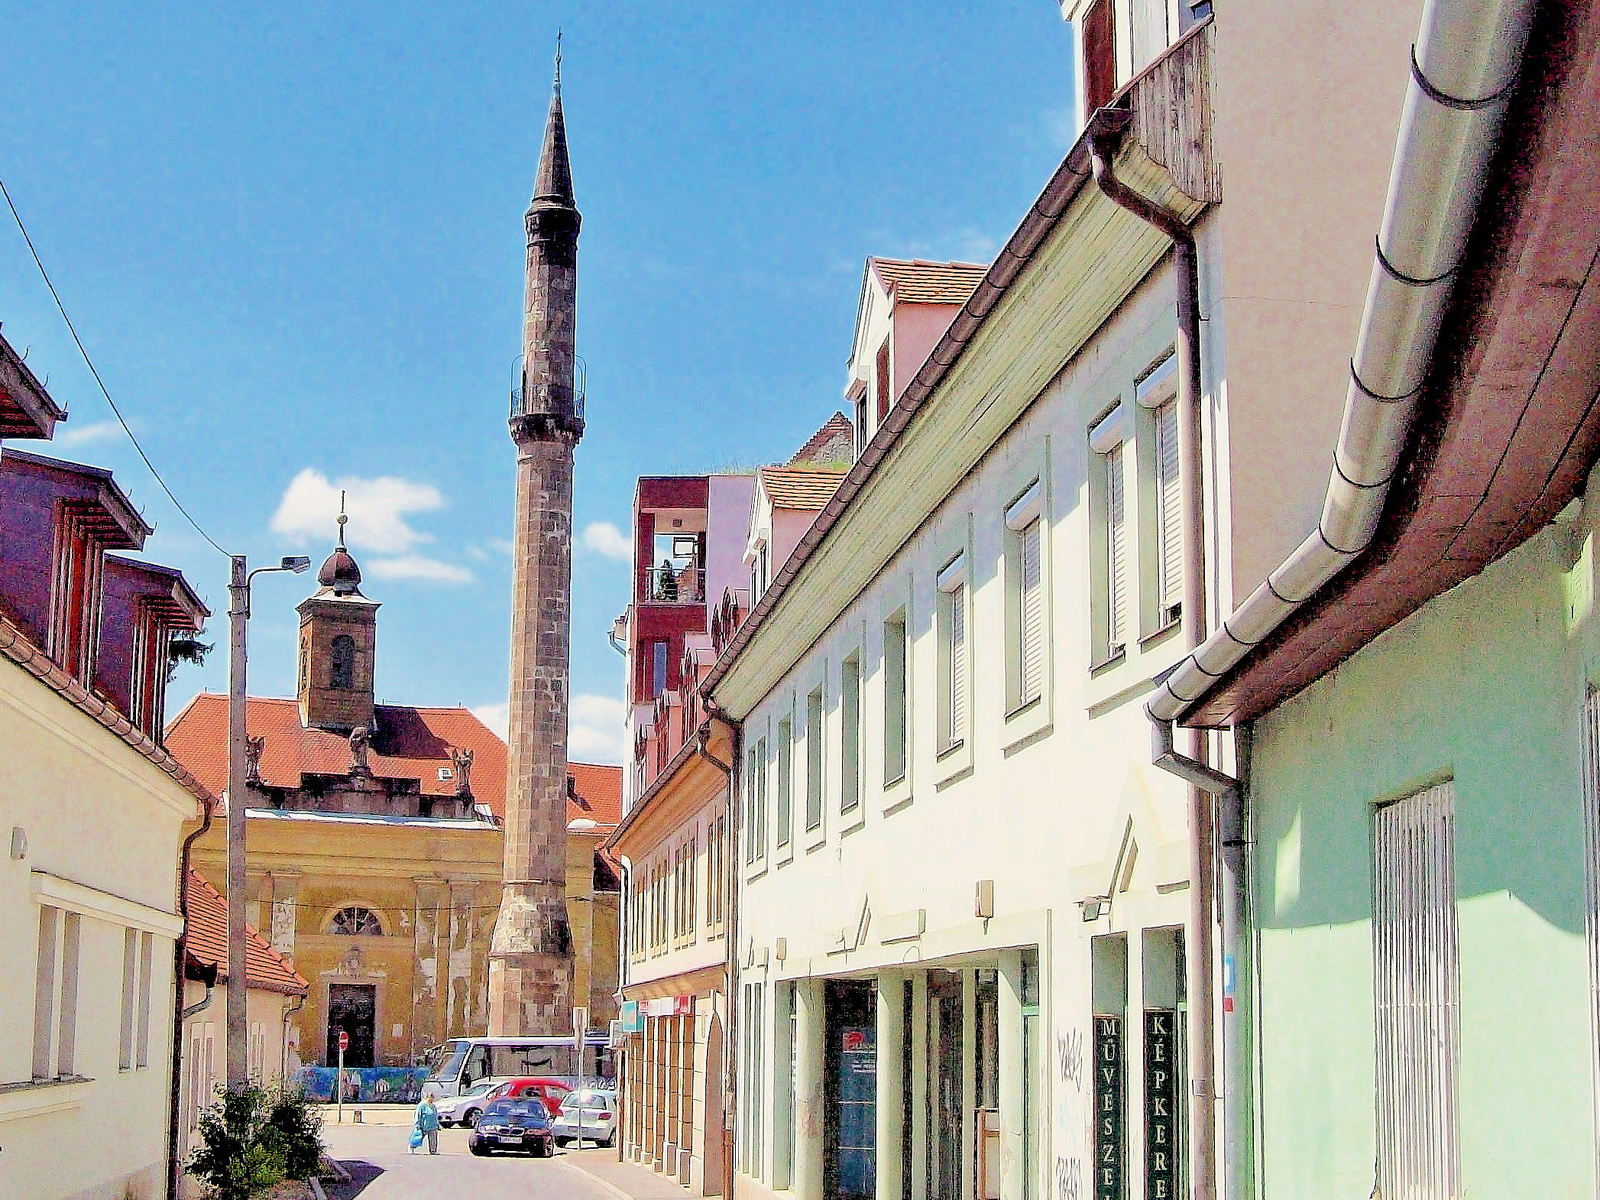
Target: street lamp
237,1040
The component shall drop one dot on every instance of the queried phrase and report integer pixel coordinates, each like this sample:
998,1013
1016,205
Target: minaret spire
530,958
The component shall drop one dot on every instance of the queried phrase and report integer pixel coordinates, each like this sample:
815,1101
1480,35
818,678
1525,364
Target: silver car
466,1108
596,1108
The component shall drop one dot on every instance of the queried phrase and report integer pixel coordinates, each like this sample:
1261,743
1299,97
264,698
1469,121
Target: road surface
376,1156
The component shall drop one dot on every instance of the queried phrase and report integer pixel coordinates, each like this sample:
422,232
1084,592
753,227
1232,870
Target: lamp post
237,1040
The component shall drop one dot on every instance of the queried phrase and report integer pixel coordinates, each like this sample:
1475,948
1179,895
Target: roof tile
800,486
920,282
207,941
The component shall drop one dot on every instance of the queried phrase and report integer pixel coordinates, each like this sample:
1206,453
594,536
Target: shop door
946,1048
851,1088
352,1007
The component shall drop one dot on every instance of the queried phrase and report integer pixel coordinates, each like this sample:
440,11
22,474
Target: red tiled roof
207,941
410,743
800,486
920,282
833,441
599,793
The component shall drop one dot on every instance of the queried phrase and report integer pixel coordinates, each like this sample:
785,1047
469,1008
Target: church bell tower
338,647
530,959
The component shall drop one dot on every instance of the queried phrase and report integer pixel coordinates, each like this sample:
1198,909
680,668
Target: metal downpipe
1202,814
730,1027
180,952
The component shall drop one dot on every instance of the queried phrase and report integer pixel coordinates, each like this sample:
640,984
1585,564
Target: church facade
376,842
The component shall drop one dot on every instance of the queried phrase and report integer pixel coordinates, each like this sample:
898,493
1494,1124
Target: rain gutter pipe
730,937
1463,68
180,952
1103,144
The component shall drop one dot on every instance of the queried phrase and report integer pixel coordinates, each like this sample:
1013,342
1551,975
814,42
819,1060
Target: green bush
254,1139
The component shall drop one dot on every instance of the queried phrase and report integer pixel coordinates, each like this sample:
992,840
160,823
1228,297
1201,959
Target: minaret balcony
519,390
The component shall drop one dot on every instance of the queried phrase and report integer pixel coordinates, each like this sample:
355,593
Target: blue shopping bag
416,1138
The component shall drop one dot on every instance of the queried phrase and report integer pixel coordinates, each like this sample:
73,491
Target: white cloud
377,509
83,435
605,538
594,729
496,716
418,566
594,726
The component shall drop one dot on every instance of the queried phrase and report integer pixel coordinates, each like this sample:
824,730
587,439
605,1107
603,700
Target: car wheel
480,1151
470,1118
611,1140
548,1151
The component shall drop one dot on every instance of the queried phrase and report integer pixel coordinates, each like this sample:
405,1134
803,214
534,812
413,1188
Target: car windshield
587,1098
450,1057
527,1106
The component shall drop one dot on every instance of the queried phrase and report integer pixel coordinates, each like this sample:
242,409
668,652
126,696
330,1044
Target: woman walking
427,1122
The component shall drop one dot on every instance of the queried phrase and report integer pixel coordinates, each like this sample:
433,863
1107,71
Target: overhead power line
90,363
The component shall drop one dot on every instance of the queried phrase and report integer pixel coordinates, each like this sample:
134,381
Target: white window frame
1111,541
783,741
1160,555
816,793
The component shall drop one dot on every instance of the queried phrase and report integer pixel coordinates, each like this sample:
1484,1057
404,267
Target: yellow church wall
435,887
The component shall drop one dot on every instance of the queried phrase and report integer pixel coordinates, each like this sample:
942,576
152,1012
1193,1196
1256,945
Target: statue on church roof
360,741
461,759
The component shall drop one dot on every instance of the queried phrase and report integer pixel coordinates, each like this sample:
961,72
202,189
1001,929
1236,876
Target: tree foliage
254,1139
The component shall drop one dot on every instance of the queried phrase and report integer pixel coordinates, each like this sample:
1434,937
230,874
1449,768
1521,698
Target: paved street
375,1154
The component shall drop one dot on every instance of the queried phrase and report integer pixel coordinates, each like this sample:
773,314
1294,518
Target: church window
356,921
344,662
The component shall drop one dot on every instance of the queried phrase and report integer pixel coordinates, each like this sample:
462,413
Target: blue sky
292,241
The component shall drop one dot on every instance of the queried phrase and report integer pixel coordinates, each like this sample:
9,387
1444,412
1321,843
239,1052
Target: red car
551,1091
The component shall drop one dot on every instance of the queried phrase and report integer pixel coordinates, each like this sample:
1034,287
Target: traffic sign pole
344,1044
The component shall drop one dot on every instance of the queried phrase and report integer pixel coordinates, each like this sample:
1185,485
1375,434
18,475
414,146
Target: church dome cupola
338,646
340,572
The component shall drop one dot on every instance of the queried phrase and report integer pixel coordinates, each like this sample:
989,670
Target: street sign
344,1041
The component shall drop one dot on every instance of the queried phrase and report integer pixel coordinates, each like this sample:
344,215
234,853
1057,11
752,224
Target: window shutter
1169,499
1032,606
1116,551
1416,981
1591,858
958,663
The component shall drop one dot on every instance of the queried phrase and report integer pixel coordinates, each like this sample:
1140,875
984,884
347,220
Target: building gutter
1104,142
730,935
180,953
1463,68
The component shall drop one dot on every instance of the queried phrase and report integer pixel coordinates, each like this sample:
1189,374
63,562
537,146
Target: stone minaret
530,962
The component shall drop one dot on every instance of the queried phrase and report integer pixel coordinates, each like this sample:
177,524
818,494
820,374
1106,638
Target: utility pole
238,1033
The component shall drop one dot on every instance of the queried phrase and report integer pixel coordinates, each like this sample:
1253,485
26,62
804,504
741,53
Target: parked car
467,1107
520,1125
551,1091
596,1108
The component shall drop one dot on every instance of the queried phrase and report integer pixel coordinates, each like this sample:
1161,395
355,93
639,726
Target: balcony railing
667,584
519,380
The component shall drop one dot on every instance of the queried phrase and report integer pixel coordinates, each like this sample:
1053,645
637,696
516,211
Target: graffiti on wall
1070,1114
365,1085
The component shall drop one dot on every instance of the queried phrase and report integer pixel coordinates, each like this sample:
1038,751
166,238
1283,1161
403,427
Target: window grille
356,921
958,663
1416,981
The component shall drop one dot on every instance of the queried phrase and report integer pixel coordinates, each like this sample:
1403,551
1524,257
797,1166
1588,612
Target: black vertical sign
1161,1181
1109,1133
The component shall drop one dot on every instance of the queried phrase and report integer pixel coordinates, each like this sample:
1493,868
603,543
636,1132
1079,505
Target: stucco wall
1042,802
1484,685
1307,102
97,813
